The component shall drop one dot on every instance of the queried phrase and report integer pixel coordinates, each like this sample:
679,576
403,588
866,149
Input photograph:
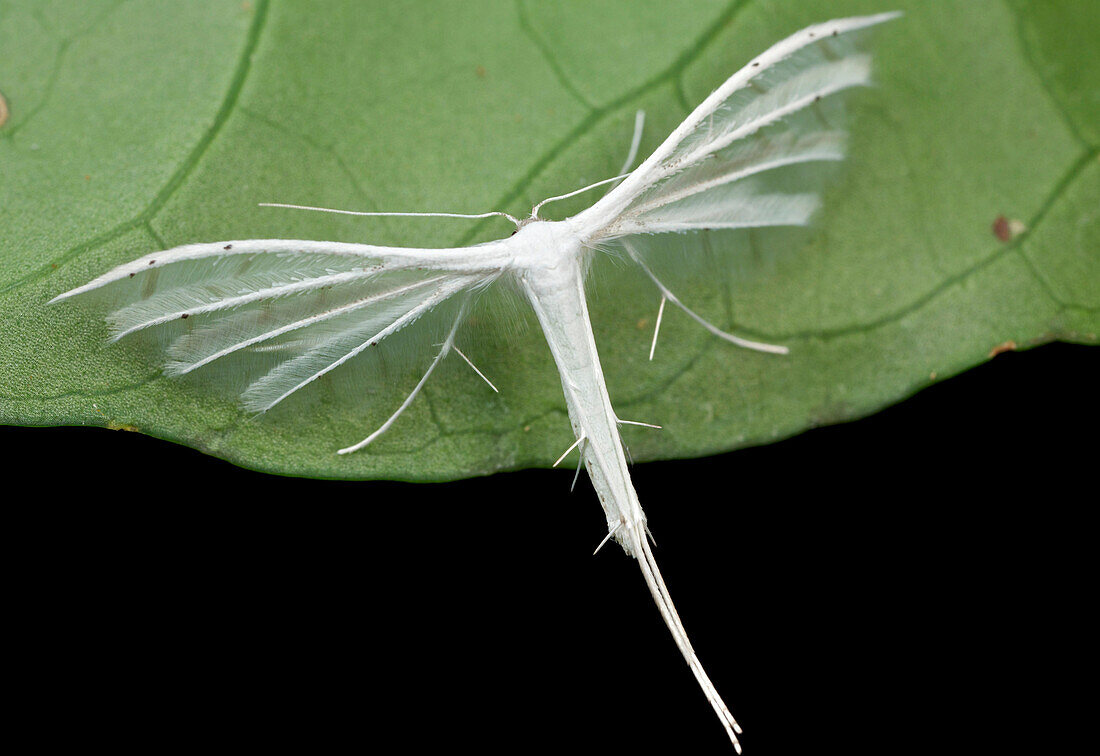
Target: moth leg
758,346
446,347
580,464
657,327
635,141
472,365
571,448
635,422
607,538
657,588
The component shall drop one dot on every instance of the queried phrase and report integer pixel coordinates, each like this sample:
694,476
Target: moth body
551,272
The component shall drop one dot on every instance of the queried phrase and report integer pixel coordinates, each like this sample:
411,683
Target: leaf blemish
1007,229
3,109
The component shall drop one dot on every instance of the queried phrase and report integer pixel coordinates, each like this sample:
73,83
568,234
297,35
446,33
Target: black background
914,581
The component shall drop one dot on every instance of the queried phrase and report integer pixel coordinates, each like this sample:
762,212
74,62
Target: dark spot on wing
228,246
185,315
152,261
132,275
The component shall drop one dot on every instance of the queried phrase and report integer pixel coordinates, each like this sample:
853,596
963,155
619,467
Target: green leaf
135,127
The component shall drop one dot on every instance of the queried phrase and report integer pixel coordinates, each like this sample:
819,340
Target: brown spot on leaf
642,324
1008,346
3,109
480,71
1007,229
87,177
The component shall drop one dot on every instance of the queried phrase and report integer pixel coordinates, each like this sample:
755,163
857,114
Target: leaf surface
967,220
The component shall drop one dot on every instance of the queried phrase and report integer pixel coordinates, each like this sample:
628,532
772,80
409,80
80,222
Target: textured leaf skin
136,128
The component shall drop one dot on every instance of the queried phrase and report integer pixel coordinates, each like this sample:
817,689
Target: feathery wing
722,168
750,156
285,312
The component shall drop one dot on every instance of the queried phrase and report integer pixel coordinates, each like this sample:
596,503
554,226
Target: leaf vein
182,172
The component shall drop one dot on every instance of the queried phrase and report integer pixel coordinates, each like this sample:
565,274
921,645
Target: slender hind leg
661,597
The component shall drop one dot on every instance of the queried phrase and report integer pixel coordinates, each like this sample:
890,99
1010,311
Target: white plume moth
304,308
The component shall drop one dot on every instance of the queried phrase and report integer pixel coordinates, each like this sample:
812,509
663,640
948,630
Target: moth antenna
759,346
447,346
401,214
535,209
571,448
657,328
472,365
